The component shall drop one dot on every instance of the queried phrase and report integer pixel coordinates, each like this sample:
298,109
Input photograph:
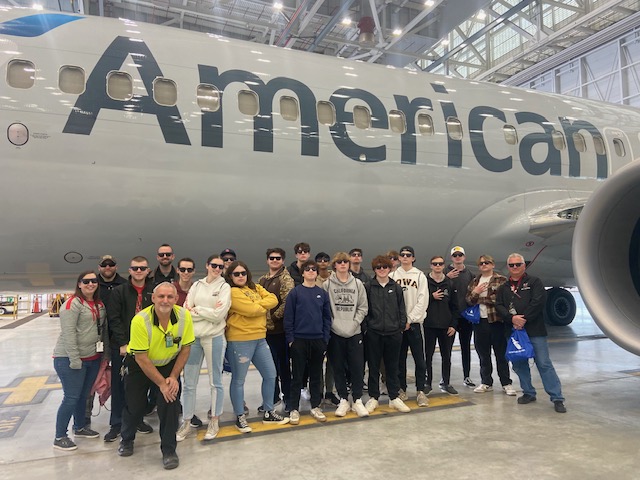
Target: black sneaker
196,422
85,432
331,397
113,434
559,407
274,418
261,409
125,449
427,389
526,398
448,389
441,384
64,443
242,425
170,460
468,383
144,427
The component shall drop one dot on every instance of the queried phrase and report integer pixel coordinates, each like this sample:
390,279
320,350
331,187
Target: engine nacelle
606,257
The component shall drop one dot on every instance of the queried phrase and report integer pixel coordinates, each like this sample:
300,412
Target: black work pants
280,352
386,348
465,331
487,336
347,356
136,386
306,354
444,342
412,338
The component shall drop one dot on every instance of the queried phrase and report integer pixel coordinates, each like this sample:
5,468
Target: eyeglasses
485,263
107,265
275,258
165,254
437,264
515,265
457,254
393,259
380,267
338,262
217,265
323,260
240,274
310,269
186,269
87,281
303,250
356,254
137,268
406,255
228,259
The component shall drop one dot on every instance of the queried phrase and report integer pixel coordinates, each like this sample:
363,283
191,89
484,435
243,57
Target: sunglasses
356,254
186,269
338,262
406,255
457,254
217,265
515,265
108,265
310,269
138,269
380,267
228,259
275,258
87,281
240,274
323,259
437,264
393,259
303,251
170,254
485,263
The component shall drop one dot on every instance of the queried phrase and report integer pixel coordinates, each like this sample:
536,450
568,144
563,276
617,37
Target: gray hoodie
348,305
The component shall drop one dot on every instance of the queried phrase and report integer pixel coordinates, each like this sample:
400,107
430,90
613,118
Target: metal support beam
330,24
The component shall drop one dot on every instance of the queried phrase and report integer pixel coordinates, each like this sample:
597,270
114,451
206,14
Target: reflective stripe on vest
148,321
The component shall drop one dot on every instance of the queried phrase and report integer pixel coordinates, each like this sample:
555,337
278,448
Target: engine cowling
606,256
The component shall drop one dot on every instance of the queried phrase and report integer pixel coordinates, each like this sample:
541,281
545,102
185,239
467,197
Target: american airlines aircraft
122,136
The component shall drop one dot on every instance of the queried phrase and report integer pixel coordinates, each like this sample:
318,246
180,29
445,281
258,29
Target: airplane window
289,108
425,124
510,134
454,128
579,142
71,79
326,113
361,117
248,102
119,85
619,147
598,142
165,92
397,121
558,140
21,74
208,97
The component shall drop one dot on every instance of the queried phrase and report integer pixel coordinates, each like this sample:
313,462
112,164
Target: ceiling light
481,15
277,5
397,32
346,21
429,3
445,42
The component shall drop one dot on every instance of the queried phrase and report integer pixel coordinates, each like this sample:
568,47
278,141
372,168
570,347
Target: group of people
158,325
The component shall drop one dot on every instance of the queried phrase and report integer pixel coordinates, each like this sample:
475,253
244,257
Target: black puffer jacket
387,314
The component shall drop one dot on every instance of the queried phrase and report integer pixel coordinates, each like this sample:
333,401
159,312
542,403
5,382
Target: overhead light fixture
397,32
346,21
429,3
277,5
481,15
445,42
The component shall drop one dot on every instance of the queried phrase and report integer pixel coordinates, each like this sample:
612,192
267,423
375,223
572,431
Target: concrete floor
481,436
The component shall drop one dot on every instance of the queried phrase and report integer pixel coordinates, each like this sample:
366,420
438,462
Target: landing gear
560,308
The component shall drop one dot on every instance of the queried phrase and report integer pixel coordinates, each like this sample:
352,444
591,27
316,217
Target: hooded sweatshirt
209,319
416,292
348,305
247,318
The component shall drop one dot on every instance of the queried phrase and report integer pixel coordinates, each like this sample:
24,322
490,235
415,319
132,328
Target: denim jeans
240,355
212,349
76,385
548,374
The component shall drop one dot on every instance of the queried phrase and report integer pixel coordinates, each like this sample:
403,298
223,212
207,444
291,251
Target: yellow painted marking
27,389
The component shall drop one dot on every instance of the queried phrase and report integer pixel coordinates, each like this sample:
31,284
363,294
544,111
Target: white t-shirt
483,307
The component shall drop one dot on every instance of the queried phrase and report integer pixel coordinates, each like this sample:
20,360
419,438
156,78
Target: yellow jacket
247,318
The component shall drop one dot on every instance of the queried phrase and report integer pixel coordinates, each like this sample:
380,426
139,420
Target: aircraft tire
560,308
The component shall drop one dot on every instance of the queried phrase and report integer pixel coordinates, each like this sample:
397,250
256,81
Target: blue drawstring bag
472,314
519,346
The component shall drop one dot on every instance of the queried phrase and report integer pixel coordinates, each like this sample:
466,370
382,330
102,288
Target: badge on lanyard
168,340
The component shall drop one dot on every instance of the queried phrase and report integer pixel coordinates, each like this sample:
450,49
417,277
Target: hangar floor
470,436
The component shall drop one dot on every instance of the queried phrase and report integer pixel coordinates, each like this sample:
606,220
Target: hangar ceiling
479,39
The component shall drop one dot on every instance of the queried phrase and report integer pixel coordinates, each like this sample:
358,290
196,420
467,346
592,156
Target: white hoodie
209,320
416,292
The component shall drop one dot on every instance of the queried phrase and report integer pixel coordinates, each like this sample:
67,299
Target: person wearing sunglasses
125,302
394,256
520,302
228,256
489,333
439,324
186,271
81,345
208,301
246,337
302,251
355,265
346,348
279,282
165,271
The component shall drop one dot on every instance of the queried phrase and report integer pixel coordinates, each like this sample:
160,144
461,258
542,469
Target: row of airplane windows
72,79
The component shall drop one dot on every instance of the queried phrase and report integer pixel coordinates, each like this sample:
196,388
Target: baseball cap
228,251
107,257
457,248
407,248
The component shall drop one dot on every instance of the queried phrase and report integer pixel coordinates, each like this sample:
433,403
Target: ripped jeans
240,355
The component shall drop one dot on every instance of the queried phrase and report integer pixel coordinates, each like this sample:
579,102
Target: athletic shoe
183,431
441,384
526,398
125,449
246,409
196,422
422,400
559,407
113,434
294,417
483,388
343,408
274,418
261,410
85,432
145,428
242,425
305,395
360,409
212,429
509,390
371,405
170,460
64,443
427,390
448,389
331,398
399,405
318,414
402,395
468,383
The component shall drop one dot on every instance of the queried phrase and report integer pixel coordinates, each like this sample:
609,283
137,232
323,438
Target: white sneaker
184,430
399,405
305,395
483,388
509,390
402,395
294,416
360,409
422,400
318,415
371,405
212,429
343,408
